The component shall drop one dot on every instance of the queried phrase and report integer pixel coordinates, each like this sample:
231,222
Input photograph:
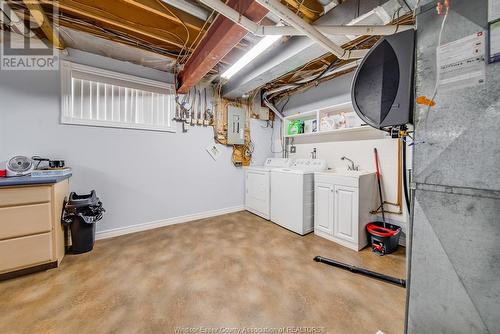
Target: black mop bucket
81,212
383,240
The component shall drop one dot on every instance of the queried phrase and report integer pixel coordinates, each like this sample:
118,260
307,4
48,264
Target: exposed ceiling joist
85,42
222,36
43,22
107,36
79,10
310,10
172,15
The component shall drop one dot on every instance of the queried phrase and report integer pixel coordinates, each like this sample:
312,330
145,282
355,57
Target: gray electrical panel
235,125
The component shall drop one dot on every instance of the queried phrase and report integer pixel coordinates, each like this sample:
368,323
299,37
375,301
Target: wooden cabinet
342,207
31,234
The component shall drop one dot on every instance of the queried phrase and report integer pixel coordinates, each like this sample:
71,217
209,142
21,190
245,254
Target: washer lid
278,162
310,165
271,163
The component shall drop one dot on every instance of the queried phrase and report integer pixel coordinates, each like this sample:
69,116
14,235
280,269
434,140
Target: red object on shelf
3,173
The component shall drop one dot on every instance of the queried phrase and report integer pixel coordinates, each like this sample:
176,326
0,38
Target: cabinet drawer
24,195
22,220
25,251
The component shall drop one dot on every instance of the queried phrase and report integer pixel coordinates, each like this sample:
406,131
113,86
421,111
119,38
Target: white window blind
97,97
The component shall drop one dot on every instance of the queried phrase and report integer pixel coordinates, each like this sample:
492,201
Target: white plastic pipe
358,30
232,14
301,28
298,23
262,30
272,107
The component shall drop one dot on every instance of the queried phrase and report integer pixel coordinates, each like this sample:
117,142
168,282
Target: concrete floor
235,270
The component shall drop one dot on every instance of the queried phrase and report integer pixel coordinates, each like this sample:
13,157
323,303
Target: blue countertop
28,180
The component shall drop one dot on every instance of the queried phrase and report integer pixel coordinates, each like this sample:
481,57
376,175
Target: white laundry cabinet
342,205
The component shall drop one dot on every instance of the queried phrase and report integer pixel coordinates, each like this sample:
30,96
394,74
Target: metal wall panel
455,258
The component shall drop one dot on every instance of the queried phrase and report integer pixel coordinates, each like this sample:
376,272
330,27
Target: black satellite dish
382,88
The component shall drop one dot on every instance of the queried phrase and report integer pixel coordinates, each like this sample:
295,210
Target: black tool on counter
50,163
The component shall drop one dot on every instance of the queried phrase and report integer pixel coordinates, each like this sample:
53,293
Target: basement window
97,97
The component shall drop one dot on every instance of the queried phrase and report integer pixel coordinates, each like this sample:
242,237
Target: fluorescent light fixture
257,49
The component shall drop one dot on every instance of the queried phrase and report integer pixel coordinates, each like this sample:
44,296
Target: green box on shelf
295,127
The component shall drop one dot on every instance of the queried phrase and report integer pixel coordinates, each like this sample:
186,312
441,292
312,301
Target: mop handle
376,162
379,186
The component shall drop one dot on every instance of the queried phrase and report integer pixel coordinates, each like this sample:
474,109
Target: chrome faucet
352,166
313,153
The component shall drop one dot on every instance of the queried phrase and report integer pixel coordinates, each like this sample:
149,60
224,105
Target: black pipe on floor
389,279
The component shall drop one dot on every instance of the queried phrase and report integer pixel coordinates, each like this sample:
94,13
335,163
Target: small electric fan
19,166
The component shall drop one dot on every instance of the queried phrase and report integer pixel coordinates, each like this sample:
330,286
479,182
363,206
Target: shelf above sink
335,131
352,130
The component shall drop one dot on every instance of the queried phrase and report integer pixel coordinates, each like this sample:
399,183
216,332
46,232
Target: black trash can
80,214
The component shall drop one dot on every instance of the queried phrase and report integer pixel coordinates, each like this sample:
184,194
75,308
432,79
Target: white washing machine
292,198
258,186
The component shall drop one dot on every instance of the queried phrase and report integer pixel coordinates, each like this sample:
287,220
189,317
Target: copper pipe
375,212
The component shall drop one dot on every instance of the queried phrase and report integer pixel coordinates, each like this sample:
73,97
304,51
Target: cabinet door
323,207
346,213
